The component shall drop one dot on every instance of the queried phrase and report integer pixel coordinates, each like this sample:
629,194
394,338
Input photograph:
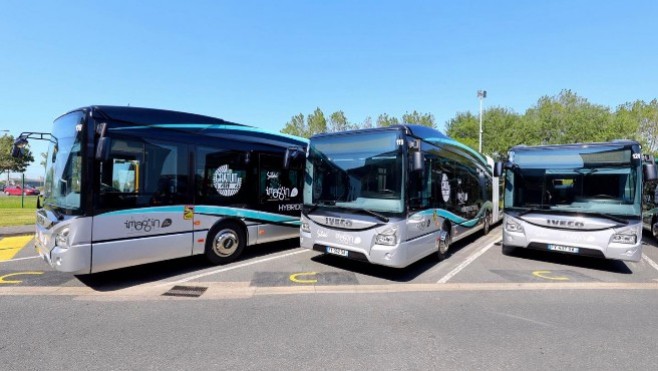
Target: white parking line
18,259
465,263
651,262
222,270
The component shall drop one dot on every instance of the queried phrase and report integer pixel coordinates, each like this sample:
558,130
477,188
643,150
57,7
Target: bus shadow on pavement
605,265
402,275
649,241
123,278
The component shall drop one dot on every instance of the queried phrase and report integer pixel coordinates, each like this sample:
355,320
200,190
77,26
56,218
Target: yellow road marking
3,281
545,275
293,277
10,246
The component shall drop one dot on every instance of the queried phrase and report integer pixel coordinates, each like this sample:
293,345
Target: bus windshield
64,166
583,180
359,171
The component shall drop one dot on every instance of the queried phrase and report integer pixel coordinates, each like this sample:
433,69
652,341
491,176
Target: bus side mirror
649,172
19,144
498,169
16,152
418,161
103,149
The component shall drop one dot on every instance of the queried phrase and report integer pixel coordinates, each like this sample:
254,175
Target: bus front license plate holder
336,251
561,248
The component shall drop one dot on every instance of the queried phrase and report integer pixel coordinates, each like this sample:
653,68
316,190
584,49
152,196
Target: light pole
481,95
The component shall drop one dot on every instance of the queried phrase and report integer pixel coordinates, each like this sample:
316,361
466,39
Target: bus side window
143,173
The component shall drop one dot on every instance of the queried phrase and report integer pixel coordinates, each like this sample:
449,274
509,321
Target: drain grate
186,291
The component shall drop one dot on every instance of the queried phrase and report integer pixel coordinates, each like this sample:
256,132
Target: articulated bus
580,199
391,196
127,186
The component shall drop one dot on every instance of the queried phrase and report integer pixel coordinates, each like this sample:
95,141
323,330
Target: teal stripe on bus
147,210
445,214
235,212
247,214
248,129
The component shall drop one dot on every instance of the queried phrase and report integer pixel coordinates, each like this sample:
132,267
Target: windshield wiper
375,214
321,203
534,210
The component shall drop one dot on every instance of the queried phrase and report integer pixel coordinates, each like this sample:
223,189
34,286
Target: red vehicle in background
17,191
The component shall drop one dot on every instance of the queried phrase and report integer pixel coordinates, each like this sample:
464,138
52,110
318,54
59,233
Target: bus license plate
569,249
335,251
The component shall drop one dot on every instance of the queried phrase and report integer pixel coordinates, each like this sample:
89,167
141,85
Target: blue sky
261,62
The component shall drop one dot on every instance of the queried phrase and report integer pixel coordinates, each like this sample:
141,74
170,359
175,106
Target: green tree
425,119
367,123
338,122
502,129
638,120
316,122
385,120
567,118
296,126
464,128
9,163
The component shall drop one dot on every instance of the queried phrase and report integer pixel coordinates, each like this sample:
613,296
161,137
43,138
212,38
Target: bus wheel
487,223
654,228
443,245
225,243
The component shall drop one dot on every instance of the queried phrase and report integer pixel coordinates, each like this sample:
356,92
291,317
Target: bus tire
487,223
225,243
654,227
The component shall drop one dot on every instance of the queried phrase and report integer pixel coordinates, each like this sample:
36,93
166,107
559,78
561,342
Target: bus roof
574,146
421,132
136,117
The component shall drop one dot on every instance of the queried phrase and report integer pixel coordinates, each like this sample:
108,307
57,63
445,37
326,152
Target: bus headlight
513,226
624,238
62,238
387,238
305,227
627,236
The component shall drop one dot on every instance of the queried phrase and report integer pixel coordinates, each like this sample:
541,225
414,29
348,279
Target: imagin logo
147,224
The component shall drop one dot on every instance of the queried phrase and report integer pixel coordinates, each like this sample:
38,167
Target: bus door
140,216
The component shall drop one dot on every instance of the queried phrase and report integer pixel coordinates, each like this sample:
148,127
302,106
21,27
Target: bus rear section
578,199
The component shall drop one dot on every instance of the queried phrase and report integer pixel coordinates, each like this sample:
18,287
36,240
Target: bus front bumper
585,243
74,259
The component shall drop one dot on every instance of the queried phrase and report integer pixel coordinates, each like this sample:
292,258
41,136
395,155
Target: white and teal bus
580,199
127,186
391,196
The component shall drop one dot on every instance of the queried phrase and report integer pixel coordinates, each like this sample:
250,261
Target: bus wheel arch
654,226
225,242
444,240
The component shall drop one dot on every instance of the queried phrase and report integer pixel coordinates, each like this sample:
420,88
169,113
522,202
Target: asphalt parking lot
476,263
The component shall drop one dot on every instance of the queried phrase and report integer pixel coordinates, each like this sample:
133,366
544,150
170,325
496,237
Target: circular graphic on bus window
226,182
445,188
